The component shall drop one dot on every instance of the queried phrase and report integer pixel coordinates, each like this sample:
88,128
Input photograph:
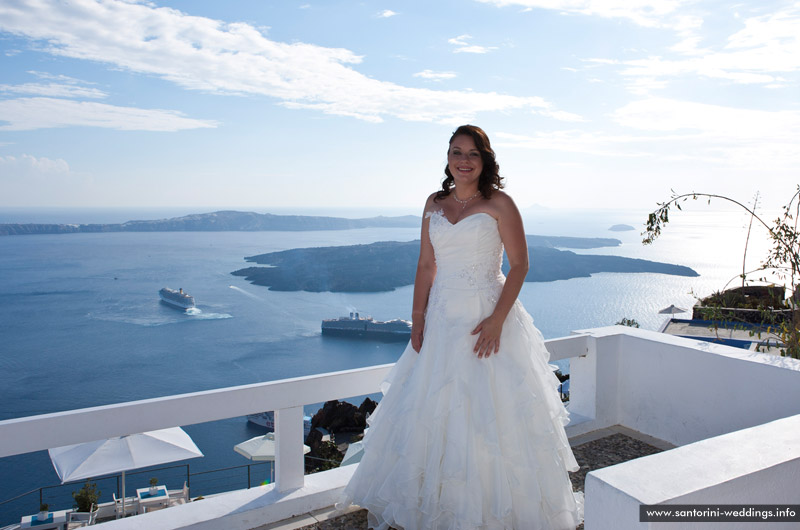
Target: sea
81,324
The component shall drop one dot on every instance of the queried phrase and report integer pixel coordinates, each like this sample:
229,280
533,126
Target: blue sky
263,105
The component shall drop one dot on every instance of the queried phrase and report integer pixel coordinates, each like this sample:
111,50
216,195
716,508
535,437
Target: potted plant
153,486
43,512
86,497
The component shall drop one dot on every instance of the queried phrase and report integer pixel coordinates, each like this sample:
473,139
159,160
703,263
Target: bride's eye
475,155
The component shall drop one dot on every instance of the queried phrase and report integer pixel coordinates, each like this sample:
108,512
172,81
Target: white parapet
676,389
244,509
757,465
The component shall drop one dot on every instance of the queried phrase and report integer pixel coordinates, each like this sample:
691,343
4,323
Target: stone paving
607,451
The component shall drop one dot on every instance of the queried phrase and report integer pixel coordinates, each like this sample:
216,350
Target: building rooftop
736,334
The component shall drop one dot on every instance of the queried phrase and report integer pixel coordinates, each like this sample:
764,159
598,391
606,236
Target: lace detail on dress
483,247
474,276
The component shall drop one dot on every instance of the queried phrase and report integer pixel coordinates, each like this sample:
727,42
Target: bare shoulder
503,205
430,204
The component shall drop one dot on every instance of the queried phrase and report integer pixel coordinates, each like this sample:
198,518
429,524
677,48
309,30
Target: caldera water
81,323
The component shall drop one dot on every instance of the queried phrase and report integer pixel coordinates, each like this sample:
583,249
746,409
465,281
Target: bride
470,431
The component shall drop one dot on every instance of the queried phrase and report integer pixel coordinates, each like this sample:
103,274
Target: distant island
621,228
224,221
386,265
571,242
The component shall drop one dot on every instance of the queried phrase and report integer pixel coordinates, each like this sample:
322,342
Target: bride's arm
512,233
426,271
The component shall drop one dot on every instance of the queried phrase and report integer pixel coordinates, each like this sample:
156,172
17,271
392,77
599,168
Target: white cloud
27,166
662,114
596,62
577,141
563,115
670,130
53,90
765,47
462,46
199,53
649,13
386,13
26,114
61,78
435,76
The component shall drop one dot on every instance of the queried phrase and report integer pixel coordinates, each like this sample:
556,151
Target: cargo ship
176,298
365,327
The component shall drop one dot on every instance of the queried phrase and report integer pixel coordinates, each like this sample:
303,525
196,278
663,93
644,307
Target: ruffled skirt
459,442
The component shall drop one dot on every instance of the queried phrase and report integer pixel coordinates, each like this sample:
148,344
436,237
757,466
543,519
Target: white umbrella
123,453
354,453
671,310
261,448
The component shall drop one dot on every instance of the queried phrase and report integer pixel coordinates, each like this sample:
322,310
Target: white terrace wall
677,389
757,465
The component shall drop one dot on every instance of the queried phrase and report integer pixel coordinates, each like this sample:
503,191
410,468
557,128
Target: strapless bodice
469,253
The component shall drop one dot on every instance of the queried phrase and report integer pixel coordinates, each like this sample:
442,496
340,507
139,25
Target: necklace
465,201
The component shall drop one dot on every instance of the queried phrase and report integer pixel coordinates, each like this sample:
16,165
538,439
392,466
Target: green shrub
86,497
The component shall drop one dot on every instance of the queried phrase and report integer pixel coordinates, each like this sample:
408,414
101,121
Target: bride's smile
464,160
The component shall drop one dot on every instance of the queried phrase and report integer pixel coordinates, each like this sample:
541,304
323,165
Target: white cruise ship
176,298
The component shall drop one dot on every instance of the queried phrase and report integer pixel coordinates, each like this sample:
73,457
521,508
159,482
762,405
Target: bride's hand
417,327
489,339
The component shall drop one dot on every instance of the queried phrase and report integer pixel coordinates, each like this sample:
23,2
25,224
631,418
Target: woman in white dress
470,431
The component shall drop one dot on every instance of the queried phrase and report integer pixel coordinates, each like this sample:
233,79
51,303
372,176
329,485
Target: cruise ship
365,327
267,419
176,298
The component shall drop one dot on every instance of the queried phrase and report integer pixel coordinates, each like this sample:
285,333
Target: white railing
286,397
675,389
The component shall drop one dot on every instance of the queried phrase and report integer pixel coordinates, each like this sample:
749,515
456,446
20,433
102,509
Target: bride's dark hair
490,178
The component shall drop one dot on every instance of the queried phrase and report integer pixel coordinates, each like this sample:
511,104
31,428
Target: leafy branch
783,258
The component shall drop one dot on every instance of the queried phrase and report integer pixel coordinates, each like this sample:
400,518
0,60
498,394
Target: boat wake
197,313
251,295
140,316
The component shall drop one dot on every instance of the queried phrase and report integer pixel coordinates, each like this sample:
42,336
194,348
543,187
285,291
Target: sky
266,105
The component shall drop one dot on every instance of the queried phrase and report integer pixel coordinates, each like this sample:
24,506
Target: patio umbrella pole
123,494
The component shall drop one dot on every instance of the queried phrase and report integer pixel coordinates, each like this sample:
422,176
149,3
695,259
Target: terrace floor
594,450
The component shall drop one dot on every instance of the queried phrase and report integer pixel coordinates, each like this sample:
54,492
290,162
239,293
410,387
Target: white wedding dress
459,442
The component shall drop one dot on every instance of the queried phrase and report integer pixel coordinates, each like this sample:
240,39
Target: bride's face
464,160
